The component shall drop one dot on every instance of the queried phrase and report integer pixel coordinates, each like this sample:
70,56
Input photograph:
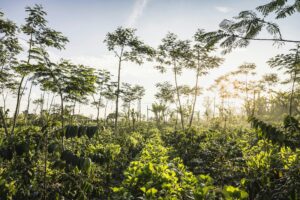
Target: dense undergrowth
148,163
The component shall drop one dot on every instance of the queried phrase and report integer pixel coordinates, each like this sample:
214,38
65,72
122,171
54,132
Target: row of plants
258,160
155,175
38,166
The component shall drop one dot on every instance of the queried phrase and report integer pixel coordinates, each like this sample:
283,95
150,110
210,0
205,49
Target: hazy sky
86,22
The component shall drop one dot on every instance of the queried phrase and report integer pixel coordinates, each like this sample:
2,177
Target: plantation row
148,164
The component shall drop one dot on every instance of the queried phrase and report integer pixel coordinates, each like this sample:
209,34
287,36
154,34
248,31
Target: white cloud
223,9
137,11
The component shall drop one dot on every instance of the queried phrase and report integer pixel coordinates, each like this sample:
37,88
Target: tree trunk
47,104
45,165
195,99
247,97
147,113
292,94
98,110
293,85
42,103
140,109
105,111
17,106
28,102
62,118
51,103
133,119
128,114
19,90
74,106
254,103
176,120
178,98
4,97
118,93
79,108
2,116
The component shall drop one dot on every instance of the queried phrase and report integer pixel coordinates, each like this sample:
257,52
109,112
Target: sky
86,22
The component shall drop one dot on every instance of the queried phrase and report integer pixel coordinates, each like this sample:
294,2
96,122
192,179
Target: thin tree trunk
74,105
222,108
35,110
128,113
72,117
79,108
98,110
254,103
178,98
293,85
2,116
42,103
97,107
140,110
45,165
17,106
47,104
269,99
105,111
62,117
51,103
19,90
176,120
147,113
4,97
195,99
28,102
292,94
118,93
247,97
133,119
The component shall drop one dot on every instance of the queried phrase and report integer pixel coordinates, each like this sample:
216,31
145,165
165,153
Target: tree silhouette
280,8
175,53
241,30
69,81
126,47
9,49
291,63
202,62
40,37
102,82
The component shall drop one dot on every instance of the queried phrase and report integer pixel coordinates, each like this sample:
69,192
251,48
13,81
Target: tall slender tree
291,63
102,82
110,95
202,62
165,95
247,70
130,94
69,81
270,80
40,37
175,53
9,49
126,47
